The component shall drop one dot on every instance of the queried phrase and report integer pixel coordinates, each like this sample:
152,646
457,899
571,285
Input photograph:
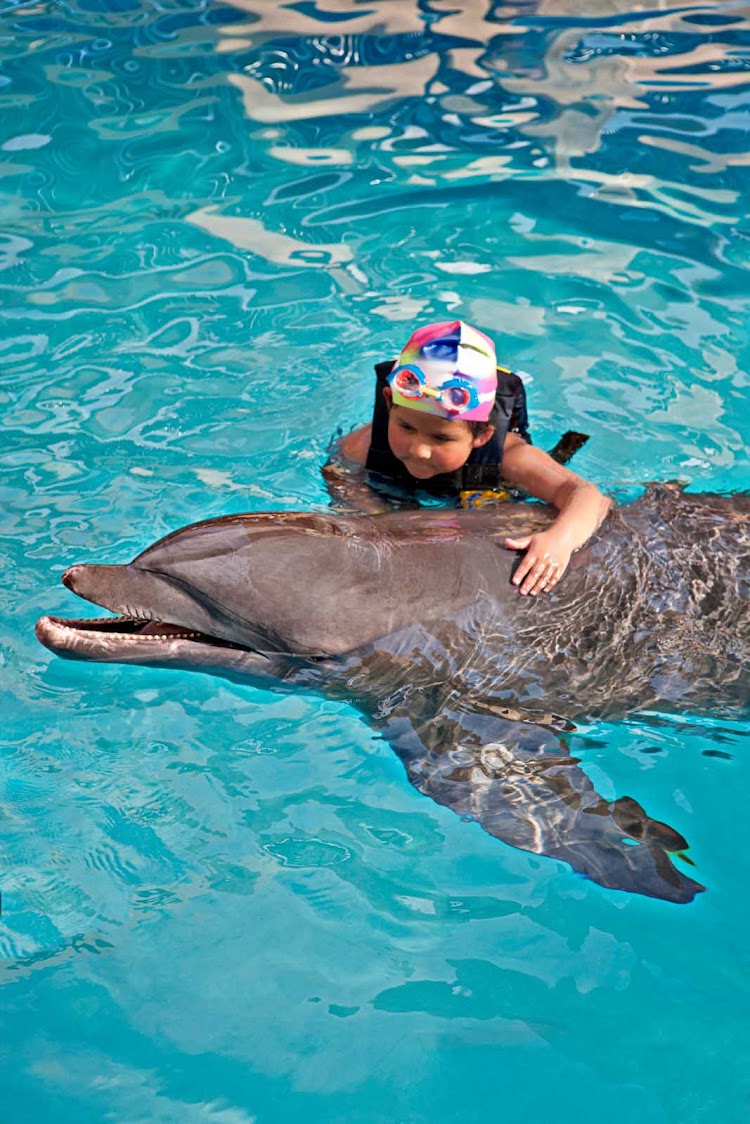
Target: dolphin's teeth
80,628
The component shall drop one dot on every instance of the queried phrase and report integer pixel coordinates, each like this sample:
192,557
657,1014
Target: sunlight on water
227,904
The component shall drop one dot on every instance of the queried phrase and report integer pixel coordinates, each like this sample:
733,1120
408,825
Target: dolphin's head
295,584
157,623
212,592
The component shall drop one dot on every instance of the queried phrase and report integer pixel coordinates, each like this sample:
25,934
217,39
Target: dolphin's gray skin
413,617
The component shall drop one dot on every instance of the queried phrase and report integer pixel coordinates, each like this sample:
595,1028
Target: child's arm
581,505
345,479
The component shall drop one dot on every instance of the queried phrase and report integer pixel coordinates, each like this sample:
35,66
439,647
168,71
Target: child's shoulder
356,445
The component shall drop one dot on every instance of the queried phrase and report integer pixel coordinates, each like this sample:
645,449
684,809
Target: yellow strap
484,497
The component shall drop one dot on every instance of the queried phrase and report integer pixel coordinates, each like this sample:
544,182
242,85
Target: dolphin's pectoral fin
517,780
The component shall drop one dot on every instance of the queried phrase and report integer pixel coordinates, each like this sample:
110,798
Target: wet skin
428,445
413,617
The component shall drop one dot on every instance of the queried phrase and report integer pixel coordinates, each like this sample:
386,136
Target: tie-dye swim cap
447,369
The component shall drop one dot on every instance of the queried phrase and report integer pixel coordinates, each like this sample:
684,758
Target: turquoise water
226,904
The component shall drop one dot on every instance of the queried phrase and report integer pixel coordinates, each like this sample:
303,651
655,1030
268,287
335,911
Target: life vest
483,468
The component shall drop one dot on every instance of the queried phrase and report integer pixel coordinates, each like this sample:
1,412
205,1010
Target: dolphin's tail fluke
638,868
527,791
638,824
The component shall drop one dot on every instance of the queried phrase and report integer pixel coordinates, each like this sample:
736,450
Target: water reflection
209,211
250,234
545,87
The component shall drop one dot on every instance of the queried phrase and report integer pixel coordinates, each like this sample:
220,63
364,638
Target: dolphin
412,616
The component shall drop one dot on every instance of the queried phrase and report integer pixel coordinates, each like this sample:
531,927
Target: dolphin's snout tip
69,577
121,589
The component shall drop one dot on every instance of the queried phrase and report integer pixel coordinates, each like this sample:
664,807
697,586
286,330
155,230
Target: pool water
226,904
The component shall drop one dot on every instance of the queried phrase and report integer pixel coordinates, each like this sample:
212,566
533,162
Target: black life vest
482,469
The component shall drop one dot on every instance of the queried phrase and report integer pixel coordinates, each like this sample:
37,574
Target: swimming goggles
456,394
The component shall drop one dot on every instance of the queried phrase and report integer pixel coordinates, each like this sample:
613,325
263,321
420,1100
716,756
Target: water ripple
215,218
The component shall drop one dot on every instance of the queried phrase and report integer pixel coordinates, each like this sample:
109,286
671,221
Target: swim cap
448,369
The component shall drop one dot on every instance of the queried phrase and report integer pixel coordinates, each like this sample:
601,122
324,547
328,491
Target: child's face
429,445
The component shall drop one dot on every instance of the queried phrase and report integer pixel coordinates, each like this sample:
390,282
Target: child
446,419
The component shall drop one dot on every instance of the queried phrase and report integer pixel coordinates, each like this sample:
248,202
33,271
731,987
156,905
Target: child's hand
544,563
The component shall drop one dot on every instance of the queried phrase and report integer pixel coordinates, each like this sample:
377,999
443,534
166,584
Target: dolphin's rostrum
413,617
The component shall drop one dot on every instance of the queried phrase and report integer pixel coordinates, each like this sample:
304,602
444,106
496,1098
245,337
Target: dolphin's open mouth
126,638
138,632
